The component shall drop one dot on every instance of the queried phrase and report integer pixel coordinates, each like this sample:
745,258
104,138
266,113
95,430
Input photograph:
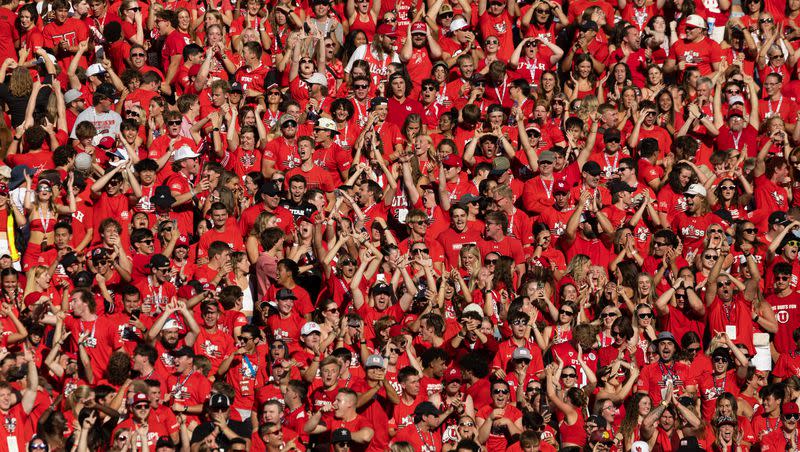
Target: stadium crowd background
417,225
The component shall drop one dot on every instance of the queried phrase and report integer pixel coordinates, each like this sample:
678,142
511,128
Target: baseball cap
219,402
140,397
326,124
341,435
790,408
69,259
270,189
95,69
419,27
375,361
472,307
286,118
158,261
83,161
171,324
309,328
317,78
452,375
382,288
185,152
458,24
106,143
733,112
695,21
726,420
387,29
72,95
452,161
779,218
612,135
377,101
521,353
237,87
285,294
468,198
689,444
591,167
547,156
446,8
500,165
165,441
560,187
696,189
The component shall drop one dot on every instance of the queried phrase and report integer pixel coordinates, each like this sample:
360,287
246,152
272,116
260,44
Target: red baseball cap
419,27
106,143
388,30
452,161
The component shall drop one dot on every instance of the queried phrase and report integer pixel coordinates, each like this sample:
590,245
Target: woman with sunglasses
569,405
539,20
561,332
42,216
361,16
607,317
644,328
725,357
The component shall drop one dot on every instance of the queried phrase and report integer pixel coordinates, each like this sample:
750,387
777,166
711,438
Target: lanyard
179,387
548,190
611,167
736,138
45,219
776,110
250,366
728,310
505,87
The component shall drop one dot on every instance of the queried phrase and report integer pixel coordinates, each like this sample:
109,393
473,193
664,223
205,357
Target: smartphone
136,313
100,52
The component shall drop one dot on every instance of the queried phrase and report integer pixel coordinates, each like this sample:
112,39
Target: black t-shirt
243,429
17,105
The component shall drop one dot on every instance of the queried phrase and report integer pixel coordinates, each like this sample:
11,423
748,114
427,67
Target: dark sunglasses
137,54
563,376
645,315
360,86
792,417
727,187
490,261
750,230
244,338
723,284
500,391
289,124
135,9
565,312
607,315
693,349
174,123
711,258
419,251
132,113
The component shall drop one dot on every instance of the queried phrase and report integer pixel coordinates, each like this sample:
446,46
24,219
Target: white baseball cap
695,21
95,69
317,78
185,152
310,327
458,24
326,124
696,189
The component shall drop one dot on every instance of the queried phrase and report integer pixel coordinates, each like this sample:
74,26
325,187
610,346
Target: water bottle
711,22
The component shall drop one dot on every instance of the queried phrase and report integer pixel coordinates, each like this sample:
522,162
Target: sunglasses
793,243
693,349
565,312
306,60
720,359
141,406
750,230
274,93
332,310
622,168
428,88
244,338
645,315
134,55
542,11
419,251
766,21
348,262
607,315
135,9
132,113
467,424
658,244
520,322
361,86
500,391
783,278
288,124
446,16
492,41
174,123
616,334
723,284
563,376
792,417
490,261
727,187
733,91
146,242
534,389
711,258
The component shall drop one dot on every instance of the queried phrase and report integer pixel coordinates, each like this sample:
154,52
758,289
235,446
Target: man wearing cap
75,104
591,174
281,153
375,395
694,50
379,54
423,434
784,437
666,373
418,53
170,142
589,43
328,155
393,140
286,323
185,165
612,152
139,418
557,216
735,133
537,193
188,388
617,212
221,425
691,225
157,290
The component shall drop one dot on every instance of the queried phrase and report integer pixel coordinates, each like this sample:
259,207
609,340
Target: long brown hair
21,82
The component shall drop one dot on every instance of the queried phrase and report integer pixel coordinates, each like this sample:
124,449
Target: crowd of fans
416,225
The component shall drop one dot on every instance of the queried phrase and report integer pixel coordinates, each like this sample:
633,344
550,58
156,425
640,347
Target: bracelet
756,319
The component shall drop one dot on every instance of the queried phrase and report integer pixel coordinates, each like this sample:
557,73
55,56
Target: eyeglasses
360,86
732,91
565,312
174,123
622,168
137,54
792,417
564,376
720,359
348,262
429,88
490,261
617,334
693,349
783,278
419,251
147,241
244,338
658,244
520,322
492,41
289,124
274,93
645,315
389,21
39,446
710,257
306,60
727,187
141,406
793,243
542,11
135,9
607,315
750,230
534,389
467,424
132,113
776,57
716,231
767,20
723,284
500,391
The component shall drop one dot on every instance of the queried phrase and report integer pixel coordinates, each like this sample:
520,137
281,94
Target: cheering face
666,349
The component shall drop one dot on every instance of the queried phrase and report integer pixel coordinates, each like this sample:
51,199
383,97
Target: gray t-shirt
107,124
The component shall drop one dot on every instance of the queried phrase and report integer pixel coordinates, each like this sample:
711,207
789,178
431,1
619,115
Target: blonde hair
33,273
21,82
